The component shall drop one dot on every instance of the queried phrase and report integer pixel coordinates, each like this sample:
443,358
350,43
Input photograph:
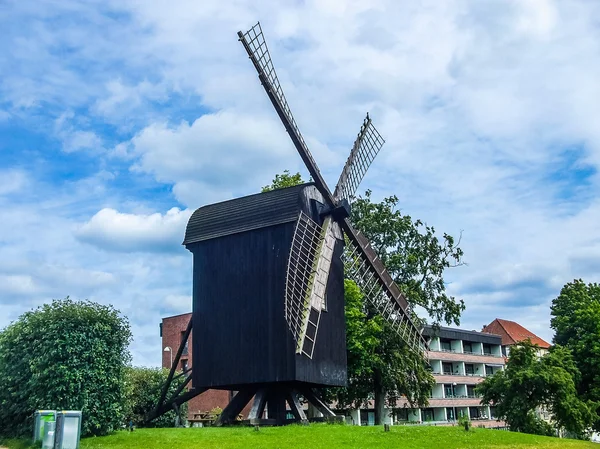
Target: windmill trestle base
275,401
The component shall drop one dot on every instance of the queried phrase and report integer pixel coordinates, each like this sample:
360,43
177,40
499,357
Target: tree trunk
379,398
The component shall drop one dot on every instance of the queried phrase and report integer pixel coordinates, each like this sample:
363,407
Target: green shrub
464,421
66,355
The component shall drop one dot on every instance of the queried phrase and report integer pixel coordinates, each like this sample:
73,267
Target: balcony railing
465,352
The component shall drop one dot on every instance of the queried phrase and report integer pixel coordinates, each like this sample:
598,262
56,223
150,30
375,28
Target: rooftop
513,333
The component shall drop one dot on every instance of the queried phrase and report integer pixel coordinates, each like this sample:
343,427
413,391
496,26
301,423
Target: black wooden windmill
269,269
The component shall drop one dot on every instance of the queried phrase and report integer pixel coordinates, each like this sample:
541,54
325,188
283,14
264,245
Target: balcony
452,356
456,401
458,378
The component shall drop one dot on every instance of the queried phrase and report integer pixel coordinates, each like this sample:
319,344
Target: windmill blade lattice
255,45
306,279
365,149
362,265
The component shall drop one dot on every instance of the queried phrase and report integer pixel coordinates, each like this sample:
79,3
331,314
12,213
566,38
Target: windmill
268,295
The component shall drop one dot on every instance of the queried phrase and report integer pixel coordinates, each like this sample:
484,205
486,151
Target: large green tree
65,355
416,258
576,322
380,366
529,383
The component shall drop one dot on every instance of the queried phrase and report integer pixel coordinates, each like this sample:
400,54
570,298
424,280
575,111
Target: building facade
459,360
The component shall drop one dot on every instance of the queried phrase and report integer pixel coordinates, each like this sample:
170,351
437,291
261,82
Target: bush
66,355
143,387
464,421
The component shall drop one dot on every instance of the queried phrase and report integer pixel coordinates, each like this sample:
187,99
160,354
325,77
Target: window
450,413
185,347
184,365
447,368
427,414
487,349
471,391
402,414
469,369
474,413
448,391
467,347
445,345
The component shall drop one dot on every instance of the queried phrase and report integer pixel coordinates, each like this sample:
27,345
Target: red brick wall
172,329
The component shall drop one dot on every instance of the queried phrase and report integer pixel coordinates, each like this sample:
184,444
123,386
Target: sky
119,118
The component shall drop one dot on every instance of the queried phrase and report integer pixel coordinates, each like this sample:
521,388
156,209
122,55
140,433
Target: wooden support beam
296,407
258,406
311,397
235,406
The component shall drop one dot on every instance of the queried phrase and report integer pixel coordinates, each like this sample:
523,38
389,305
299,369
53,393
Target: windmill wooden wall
241,337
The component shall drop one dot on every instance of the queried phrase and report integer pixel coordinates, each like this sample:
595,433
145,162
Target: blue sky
118,119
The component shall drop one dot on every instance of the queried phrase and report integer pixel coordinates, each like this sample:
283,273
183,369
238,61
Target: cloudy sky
119,118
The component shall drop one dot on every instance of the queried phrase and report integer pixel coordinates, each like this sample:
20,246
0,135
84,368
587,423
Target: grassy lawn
322,436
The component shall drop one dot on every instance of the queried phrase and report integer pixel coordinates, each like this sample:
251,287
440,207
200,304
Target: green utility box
40,418
68,429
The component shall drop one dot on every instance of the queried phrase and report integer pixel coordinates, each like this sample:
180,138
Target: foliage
413,255
66,355
321,436
576,321
284,180
216,411
143,387
529,383
373,348
416,258
464,422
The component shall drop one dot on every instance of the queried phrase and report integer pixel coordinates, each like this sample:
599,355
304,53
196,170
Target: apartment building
459,360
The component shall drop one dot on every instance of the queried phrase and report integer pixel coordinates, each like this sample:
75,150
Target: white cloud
488,109
123,232
206,159
12,181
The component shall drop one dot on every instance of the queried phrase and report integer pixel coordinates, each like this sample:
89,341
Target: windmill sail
256,47
364,267
365,148
309,264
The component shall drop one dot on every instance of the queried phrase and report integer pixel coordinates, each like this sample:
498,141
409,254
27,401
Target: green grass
324,436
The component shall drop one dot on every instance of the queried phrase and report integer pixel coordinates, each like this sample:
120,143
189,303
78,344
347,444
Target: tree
576,321
417,259
284,180
142,392
529,383
413,255
380,365
66,355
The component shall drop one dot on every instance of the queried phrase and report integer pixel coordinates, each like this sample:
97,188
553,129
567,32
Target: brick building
172,330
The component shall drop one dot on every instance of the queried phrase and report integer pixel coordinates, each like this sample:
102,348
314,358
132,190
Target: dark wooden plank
258,406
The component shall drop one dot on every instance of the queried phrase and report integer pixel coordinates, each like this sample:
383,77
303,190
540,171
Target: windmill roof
246,213
513,333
